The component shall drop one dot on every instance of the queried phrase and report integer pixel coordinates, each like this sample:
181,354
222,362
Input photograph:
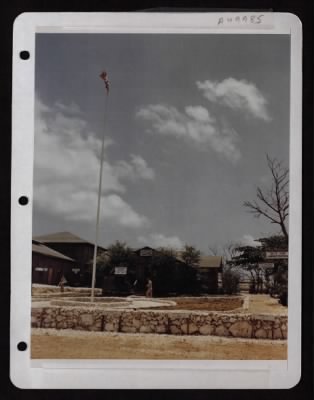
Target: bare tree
214,250
273,203
228,250
190,255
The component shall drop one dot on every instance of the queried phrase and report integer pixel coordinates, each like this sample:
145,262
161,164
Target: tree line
271,203
170,273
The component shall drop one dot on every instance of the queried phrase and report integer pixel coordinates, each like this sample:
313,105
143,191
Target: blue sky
188,123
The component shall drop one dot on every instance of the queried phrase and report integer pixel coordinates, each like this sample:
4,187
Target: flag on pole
104,77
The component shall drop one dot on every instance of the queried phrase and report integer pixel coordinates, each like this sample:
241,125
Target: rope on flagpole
98,202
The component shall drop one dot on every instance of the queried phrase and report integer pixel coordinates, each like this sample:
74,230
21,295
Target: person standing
149,288
62,282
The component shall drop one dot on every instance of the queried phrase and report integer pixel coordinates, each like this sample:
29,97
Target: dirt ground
264,304
202,304
53,344
257,304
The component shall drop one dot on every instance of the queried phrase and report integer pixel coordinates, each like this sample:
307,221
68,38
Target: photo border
27,373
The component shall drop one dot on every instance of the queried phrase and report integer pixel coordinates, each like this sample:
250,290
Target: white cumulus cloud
66,170
71,108
156,240
248,240
116,209
236,94
199,113
136,168
195,125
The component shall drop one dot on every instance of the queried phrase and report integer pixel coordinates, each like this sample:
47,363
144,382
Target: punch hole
21,346
23,200
24,55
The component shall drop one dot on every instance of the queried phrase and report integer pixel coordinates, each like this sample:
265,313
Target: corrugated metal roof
47,251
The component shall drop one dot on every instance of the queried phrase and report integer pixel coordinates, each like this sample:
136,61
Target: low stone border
232,304
131,302
83,302
162,322
58,294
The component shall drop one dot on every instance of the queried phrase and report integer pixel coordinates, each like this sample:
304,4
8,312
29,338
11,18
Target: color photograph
161,196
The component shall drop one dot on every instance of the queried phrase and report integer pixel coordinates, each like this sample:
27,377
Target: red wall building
73,248
48,266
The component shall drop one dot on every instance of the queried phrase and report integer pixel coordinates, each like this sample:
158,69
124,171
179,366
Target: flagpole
98,205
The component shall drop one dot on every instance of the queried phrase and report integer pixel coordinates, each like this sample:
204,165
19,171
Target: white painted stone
174,329
267,325
136,323
161,329
261,334
145,329
86,319
206,330
192,329
221,331
184,328
241,329
109,327
277,334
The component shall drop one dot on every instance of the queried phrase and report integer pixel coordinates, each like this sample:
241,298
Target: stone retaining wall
167,322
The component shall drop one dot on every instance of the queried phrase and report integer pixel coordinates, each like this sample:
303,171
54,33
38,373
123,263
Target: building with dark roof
75,248
64,253
48,265
169,273
208,270
61,237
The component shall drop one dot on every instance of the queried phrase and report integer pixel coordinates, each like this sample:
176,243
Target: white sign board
277,254
41,269
146,253
120,270
266,265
